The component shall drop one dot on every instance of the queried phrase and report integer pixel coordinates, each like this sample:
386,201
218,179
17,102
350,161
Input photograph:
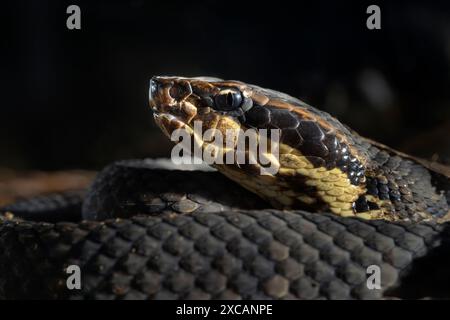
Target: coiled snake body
338,204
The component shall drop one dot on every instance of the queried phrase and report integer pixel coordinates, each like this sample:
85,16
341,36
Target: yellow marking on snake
332,188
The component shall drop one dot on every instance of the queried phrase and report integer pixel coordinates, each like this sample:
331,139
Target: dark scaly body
323,165
185,235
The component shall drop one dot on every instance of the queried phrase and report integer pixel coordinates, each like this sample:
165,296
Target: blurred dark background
78,98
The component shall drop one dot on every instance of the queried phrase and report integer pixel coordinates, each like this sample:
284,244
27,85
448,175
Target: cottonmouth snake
337,204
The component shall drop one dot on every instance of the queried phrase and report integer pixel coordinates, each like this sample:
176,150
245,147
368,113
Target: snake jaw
168,123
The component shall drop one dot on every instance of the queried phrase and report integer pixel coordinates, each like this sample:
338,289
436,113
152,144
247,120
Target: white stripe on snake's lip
168,122
168,116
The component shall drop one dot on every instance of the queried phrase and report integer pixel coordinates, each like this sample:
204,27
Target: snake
339,211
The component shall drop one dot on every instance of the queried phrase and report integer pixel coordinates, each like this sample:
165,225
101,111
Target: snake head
177,102
312,146
223,104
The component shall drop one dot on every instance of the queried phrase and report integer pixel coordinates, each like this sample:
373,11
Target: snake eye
228,99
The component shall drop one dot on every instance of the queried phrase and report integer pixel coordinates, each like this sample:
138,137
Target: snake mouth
168,123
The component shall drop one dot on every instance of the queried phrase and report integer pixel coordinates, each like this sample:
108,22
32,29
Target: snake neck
393,188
